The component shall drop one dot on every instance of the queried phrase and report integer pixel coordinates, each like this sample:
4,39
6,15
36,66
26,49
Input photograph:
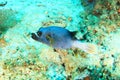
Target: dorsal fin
73,34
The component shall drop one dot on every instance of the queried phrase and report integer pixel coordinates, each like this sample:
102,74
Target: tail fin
87,47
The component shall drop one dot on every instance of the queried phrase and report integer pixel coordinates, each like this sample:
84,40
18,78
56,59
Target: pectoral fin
50,39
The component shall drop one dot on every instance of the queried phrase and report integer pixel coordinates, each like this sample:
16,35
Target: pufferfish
61,38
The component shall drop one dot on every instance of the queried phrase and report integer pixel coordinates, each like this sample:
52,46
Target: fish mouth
35,36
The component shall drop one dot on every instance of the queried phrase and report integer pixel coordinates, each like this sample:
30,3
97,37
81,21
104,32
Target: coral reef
23,58
105,33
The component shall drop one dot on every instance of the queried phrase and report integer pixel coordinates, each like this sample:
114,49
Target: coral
3,42
15,67
55,72
23,58
8,19
105,33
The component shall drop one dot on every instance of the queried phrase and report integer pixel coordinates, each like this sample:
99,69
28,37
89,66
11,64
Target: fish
61,38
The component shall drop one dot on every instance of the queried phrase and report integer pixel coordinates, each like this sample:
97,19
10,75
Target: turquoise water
96,22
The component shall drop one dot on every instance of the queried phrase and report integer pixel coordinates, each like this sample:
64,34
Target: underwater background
96,21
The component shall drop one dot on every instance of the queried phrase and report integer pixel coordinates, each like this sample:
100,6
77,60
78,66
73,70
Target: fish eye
39,33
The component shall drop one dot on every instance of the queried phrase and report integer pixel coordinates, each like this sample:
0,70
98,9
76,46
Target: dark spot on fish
48,37
39,33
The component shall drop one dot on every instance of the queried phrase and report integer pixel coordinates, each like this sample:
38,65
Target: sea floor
96,21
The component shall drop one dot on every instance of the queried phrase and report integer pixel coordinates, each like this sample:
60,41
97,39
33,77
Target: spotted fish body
60,38
57,37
